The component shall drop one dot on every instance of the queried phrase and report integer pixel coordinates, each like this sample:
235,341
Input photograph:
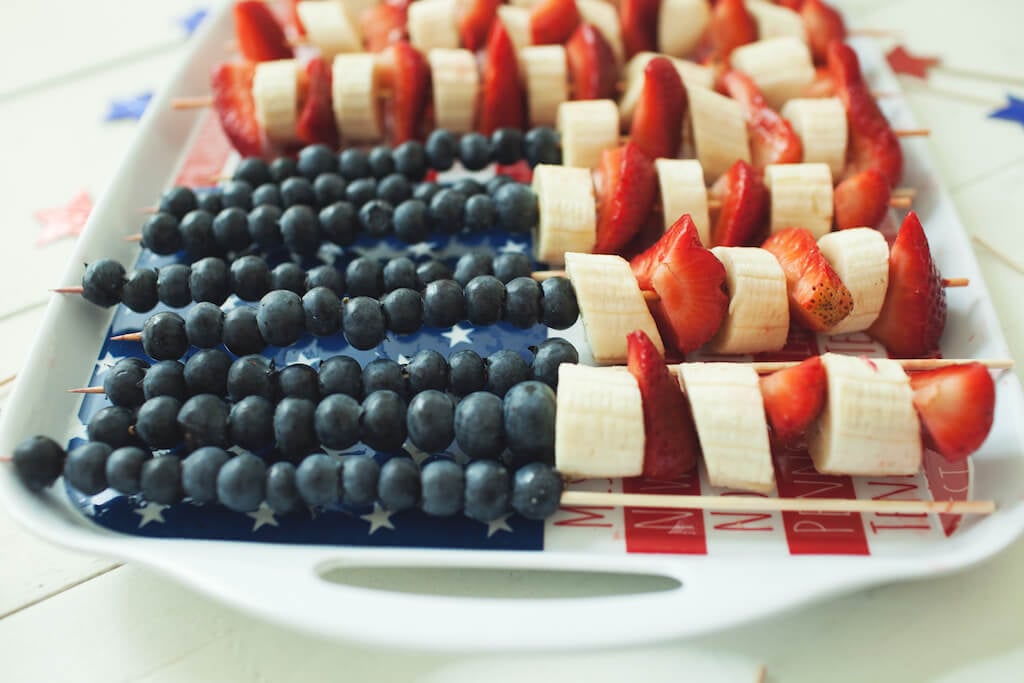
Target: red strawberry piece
502,102
818,299
790,4
680,235
474,22
793,399
383,24
316,118
592,68
294,18
956,406
862,200
744,211
772,139
872,141
232,99
627,184
405,72
657,126
823,24
639,21
671,447
553,21
260,37
732,25
823,84
914,312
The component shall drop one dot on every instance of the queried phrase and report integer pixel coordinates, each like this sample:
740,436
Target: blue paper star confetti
128,109
1014,111
190,22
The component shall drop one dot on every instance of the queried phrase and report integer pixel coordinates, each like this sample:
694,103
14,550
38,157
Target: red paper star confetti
905,62
64,221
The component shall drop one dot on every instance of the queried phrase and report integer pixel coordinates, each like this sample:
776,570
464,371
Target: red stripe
206,157
653,530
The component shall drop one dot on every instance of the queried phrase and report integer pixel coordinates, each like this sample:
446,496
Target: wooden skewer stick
7,380
86,390
541,275
68,290
137,237
912,132
131,336
875,32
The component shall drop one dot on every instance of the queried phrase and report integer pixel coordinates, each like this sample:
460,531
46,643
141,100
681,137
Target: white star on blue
128,109
512,247
421,249
458,335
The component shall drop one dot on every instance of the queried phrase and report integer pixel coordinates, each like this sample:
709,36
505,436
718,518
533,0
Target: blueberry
204,325
561,310
365,277
38,461
394,189
466,372
267,195
425,191
363,322
541,145
250,278
359,475
474,151
124,469
178,201
161,480
430,421
479,426
529,415
199,473
231,229
329,188
282,493
383,421
317,480
381,161
298,380
444,303
203,420
510,265
339,223
411,160
164,336
480,213
376,218
411,221
251,422
252,376
517,208
550,354
210,280
487,491
400,272
341,375
197,238
523,302
297,191
103,282
242,332
505,369
289,276
236,193
427,370
242,480
316,159
264,224
166,378
86,468
361,191
337,421
294,427
161,234
442,486
536,491
446,211
328,277
353,164
283,168
123,383
210,201
206,372
322,310
172,285
485,300
280,318
253,170
471,264
300,229
507,145
497,181
384,373
441,149
428,271
403,310
468,187
399,484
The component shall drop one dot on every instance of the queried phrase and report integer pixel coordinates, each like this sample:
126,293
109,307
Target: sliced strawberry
818,299
295,19
744,209
862,200
956,406
502,102
793,399
592,69
553,21
772,139
260,37
316,119
232,99
671,447
474,22
383,24
823,24
404,71
872,141
657,126
790,4
732,25
639,21
914,312
680,235
823,84
626,185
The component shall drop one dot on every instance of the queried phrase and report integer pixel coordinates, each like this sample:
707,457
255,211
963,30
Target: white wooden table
67,615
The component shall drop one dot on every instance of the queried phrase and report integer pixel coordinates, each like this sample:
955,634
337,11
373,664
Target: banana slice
719,131
547,82
780,67
691,73
456,84
605,18
869,425
758,315
683,191
801,197
774,21
567,212
329,28
354,96
275,94
820,123
611,304
355,8
728,411
431,24
587,127
860,257
681,24
599,429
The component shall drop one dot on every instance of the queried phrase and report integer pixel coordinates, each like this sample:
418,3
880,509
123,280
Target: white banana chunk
801,197
456,84
431,24
604,16
758,315
587,128
275,95
780,67
820,123
681,24
774,21
611,304
567,214
354,97
683,191
599,426
869,425
329,28
719,131
860,257
691,73
517,23
355,8
728,411
547,82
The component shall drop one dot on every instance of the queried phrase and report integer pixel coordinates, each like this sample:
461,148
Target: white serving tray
739,577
